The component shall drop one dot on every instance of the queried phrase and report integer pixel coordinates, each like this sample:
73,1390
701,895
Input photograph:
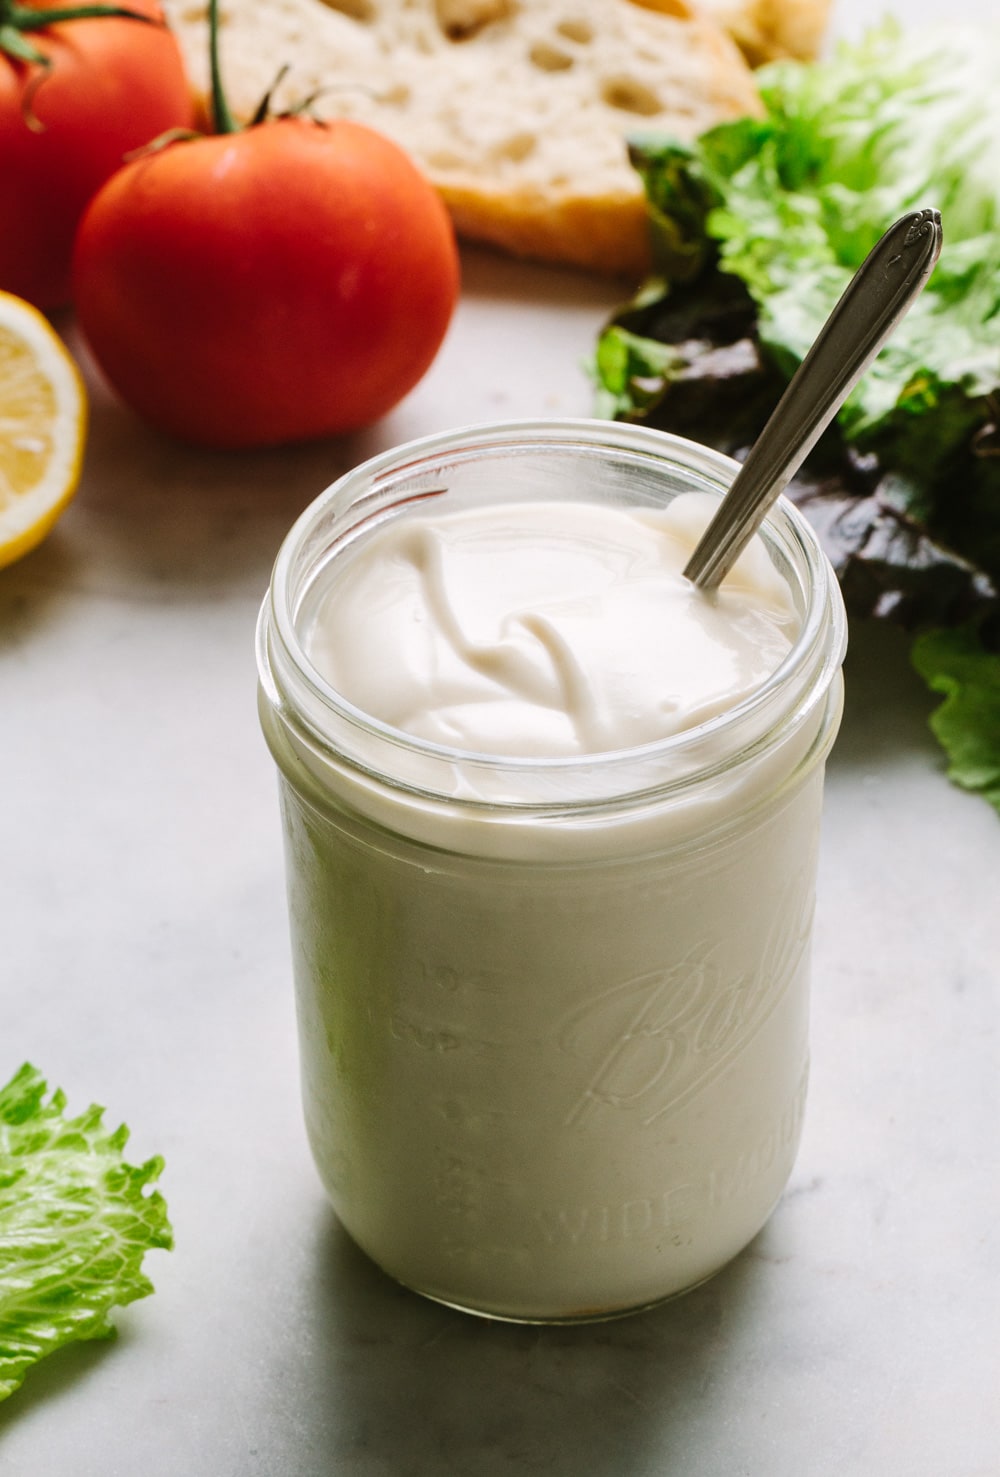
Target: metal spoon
878,295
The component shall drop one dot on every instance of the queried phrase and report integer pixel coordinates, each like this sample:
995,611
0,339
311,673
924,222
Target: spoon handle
876,298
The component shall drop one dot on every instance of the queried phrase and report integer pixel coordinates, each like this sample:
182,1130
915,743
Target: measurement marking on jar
462,1188
447,980
434,1038
428,1038
474,1120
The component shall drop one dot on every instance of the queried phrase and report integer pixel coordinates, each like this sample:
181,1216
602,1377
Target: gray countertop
145,965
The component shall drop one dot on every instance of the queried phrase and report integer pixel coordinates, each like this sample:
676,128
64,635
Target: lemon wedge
43,427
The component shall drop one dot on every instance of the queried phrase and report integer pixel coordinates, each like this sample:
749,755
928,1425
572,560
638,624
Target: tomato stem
12,43
263,111
16,19
222,119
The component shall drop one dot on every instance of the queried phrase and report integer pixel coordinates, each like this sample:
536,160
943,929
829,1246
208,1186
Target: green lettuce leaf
757,228
790,205
967,723
893,124
691,363
75,1224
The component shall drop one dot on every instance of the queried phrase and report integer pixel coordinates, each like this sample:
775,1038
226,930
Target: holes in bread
517,147
679,8
396,96
356,10
630,95
462,19
549,58
443,160
509,150
580,31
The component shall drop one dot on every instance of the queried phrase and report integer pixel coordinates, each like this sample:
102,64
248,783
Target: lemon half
43,427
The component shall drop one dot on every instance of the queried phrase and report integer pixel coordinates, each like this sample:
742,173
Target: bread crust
517,110
768,30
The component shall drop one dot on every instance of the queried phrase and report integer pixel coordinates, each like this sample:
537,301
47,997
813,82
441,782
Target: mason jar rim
784,527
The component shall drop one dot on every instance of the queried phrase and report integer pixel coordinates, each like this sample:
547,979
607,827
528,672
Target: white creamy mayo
553,1005
551,628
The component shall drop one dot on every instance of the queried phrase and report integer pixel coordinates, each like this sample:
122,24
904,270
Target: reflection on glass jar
553,1011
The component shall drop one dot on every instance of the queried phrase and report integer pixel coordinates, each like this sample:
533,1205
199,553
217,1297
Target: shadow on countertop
399,1385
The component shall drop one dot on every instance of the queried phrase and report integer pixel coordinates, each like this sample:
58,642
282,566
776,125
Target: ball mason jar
552,1013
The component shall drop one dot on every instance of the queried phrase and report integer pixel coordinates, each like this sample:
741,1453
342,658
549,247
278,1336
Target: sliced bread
517,110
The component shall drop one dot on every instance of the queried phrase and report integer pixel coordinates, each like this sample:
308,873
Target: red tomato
290,281
113,86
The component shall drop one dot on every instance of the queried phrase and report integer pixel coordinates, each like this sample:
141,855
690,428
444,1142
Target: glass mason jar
553,1013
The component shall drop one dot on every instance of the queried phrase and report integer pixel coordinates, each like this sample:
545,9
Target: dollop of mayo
547,629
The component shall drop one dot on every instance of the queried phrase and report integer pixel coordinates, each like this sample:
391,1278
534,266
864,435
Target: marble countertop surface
145,964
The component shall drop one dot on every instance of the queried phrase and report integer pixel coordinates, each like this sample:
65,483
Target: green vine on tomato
17,20
222,117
